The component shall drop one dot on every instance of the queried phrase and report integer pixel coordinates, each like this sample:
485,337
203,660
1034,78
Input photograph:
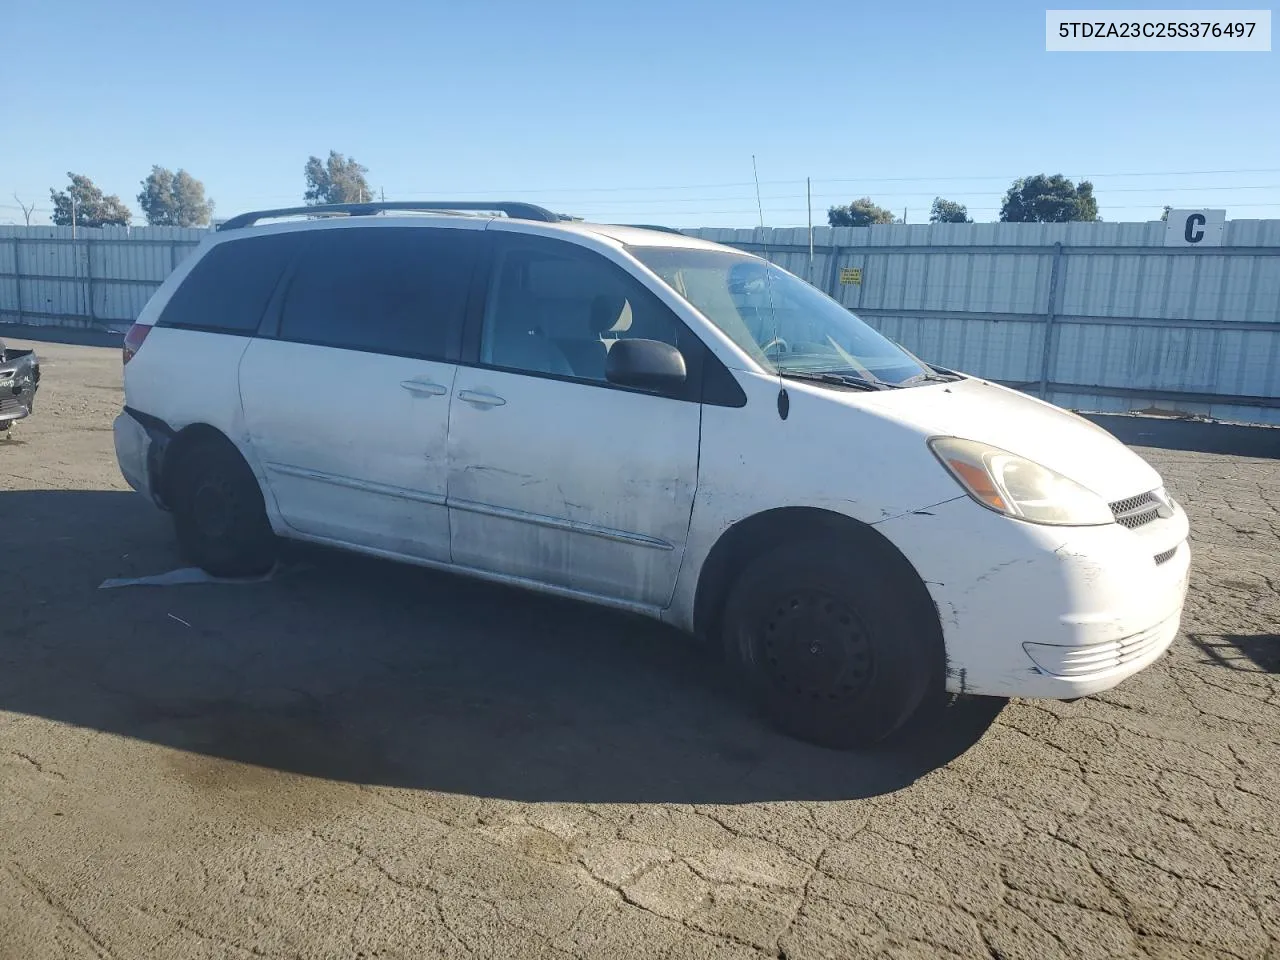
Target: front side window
392,290
555,308
786,325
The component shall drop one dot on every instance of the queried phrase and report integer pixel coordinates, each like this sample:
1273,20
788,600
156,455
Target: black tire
836,643
218,512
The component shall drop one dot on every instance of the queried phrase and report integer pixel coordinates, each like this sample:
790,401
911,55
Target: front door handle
425,387
481,399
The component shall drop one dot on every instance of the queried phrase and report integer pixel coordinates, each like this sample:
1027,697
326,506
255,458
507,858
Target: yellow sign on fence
851,275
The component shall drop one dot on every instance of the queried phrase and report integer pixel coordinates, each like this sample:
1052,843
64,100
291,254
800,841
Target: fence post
1051,312
88,277
833,272
17,275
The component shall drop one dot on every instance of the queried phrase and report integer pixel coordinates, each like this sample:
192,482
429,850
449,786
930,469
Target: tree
948,211
171,199
337,180
92,209
26,210
1045,199
859,213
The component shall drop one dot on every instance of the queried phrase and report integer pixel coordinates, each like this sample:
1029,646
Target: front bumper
1046,612
17,397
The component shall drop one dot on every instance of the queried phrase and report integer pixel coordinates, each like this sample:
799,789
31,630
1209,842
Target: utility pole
382,194
73,216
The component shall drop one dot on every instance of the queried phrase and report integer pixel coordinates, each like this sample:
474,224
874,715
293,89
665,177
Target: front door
346,397
555,475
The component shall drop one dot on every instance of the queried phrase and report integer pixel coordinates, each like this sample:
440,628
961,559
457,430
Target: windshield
786,325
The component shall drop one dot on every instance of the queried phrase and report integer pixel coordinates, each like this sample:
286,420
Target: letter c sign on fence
1195,228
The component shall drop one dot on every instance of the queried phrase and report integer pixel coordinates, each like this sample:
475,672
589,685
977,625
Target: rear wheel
836,644
218,511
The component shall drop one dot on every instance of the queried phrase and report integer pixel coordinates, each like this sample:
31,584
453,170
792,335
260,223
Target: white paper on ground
182,577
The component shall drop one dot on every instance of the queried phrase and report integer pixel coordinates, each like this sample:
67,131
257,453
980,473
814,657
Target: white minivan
642,419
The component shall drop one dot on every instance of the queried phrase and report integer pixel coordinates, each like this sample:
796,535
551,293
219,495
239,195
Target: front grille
12,405
1166,556
1133,512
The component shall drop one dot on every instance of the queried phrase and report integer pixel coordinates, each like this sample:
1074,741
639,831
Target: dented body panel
370,471
571,493
19,381
1095,594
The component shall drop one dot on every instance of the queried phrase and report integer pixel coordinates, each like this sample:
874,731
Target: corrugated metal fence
1093,316
101,278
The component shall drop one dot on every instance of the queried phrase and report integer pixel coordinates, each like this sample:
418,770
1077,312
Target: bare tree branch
26,210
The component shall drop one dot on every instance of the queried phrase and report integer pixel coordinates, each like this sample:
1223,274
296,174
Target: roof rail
521,211
650,226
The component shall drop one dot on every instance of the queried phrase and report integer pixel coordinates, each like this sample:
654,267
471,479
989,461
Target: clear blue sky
631,112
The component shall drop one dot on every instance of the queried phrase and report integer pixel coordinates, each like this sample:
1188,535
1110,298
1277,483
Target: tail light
134,339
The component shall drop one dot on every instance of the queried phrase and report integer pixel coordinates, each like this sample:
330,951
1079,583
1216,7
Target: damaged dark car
19,381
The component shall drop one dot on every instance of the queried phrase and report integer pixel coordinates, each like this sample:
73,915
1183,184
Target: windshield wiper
835,379
933,375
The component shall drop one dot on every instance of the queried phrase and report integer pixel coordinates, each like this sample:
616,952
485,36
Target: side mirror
646,364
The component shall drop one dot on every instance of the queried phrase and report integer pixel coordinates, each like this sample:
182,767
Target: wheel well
749,538
188,438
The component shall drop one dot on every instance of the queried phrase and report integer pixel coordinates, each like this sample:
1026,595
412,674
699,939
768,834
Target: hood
1056,438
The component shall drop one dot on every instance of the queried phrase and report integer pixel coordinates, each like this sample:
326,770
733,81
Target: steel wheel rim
814,646
211,510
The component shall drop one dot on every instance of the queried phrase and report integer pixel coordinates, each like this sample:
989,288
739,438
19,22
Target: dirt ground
359,760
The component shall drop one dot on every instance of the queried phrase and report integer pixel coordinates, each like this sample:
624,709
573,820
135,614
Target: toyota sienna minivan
649,421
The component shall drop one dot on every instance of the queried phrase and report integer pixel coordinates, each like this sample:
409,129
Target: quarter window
228,288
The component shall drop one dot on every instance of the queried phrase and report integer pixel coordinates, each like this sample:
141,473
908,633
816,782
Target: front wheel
834,641
219,514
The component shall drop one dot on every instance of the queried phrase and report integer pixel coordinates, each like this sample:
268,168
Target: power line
751,183
930,193
617,202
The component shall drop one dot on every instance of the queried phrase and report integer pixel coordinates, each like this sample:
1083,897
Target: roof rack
650,226
521,211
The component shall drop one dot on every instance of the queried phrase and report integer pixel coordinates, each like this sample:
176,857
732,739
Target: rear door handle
481,399
425,387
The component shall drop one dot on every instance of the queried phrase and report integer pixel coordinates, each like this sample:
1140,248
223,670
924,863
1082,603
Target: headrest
606,311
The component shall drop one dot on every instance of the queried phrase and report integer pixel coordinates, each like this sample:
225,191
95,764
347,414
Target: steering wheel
776,342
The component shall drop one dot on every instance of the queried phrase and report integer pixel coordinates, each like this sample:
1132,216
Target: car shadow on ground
1248,652
366,671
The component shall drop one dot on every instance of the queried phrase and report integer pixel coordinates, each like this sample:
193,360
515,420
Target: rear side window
228,289
391,290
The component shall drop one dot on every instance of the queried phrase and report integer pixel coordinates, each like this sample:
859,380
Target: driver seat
610,313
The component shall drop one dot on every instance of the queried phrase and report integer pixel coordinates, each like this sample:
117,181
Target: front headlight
1017,487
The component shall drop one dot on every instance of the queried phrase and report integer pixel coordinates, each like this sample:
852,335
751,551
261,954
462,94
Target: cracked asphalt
359,760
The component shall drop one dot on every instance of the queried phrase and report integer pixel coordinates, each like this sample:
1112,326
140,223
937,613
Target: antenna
759,206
